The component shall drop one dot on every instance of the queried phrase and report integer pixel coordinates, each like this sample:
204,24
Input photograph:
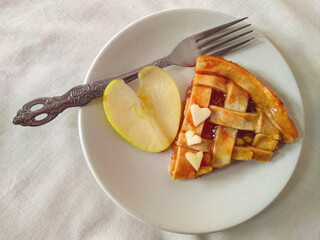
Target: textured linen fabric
46,189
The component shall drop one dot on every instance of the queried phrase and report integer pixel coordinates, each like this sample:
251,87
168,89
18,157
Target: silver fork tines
209,49
208,32
210,40
228,49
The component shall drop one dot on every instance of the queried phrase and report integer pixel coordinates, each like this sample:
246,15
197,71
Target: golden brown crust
248,153
238,128
263,141
204,146
211,81
200,96
236,100
224,143
182,169
234,119
270,104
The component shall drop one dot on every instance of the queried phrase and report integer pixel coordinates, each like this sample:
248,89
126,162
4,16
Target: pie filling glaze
247,119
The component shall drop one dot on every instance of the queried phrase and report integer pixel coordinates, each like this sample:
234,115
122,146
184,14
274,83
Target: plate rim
122,205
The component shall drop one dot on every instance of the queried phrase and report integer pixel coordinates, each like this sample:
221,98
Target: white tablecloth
46,188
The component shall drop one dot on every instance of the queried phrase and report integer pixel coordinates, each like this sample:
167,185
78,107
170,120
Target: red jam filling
251,106
245,135
217,98
209,130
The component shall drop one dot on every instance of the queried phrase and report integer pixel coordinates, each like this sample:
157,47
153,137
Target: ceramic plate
138,181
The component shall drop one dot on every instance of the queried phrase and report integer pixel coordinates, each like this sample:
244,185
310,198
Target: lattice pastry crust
247,119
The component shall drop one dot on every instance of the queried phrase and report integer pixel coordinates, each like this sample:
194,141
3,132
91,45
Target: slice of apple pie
229,115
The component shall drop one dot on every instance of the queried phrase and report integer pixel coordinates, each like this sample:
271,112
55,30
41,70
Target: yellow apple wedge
149,119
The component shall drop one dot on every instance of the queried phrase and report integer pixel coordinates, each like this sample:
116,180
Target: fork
208,42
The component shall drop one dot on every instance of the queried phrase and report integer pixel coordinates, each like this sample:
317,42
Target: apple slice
149,119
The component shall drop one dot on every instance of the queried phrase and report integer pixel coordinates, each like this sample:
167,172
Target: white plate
138,181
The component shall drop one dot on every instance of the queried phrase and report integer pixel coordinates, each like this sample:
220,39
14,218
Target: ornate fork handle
75,97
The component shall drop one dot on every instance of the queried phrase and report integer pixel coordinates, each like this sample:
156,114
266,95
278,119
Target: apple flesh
149,119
